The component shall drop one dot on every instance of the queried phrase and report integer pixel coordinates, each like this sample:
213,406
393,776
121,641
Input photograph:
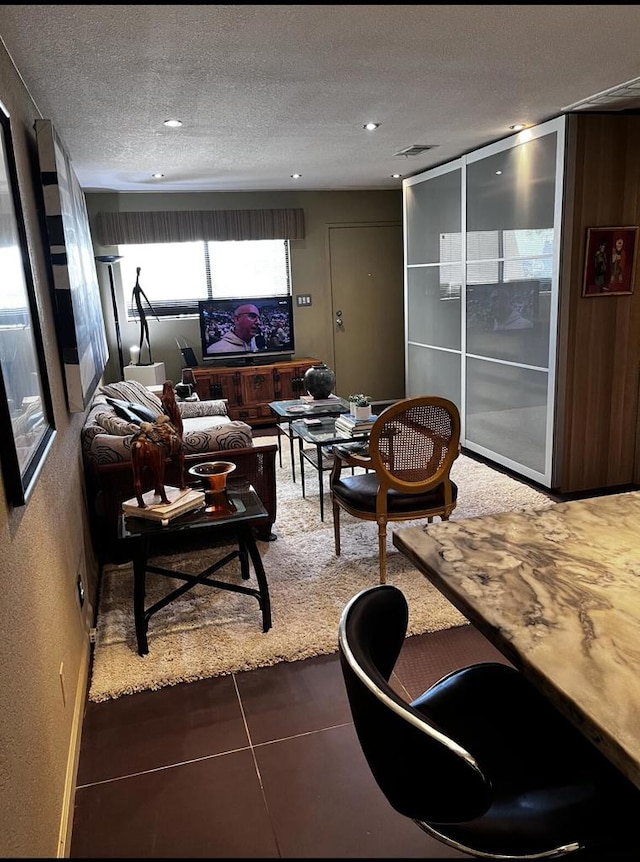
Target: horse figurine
154,443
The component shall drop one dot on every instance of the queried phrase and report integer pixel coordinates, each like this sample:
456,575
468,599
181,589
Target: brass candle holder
213,476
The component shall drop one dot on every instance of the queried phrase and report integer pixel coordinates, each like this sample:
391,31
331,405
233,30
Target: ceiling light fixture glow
157,176
395,176
173,124
296,176
517,127
371,127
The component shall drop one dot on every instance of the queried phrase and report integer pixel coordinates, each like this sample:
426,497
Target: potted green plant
361,405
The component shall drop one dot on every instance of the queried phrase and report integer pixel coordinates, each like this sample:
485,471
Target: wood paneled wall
599,337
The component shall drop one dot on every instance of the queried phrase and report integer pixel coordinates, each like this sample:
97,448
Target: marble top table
557,591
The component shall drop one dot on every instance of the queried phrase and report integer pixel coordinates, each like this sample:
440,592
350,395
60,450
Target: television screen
246,329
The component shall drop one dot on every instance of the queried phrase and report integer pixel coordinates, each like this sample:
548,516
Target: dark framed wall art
26,412
610,261
79,318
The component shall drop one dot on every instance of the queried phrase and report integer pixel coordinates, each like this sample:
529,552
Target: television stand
253,359
250,388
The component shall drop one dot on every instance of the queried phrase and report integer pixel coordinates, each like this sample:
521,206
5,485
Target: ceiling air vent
415,150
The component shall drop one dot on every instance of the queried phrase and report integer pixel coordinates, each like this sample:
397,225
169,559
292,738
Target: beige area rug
209,632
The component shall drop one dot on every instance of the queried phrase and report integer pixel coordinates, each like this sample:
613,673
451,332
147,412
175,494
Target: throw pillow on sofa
134,392
210,407
133,412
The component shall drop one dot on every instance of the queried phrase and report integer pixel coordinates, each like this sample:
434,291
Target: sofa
209,434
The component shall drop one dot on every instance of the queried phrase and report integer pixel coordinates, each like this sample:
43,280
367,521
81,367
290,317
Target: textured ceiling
266,91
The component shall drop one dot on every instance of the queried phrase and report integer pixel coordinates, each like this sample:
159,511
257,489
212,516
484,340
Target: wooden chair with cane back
412,447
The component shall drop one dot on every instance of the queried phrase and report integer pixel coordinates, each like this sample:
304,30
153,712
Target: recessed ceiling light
517,127
173,124
296,176
371,127
396,176
157,176
498,173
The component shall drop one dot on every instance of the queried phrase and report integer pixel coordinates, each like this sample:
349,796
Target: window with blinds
174,276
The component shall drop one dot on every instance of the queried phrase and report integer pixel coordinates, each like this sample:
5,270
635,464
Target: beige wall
309,262
43,548
45,543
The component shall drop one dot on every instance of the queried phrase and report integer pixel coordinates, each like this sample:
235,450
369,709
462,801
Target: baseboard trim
66,819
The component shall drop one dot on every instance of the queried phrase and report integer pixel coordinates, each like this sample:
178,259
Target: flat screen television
246,331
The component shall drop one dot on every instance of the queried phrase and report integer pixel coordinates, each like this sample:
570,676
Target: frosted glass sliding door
511,220
482,241
434,372
433,284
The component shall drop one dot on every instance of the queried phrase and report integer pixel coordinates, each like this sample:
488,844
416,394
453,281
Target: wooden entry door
366,268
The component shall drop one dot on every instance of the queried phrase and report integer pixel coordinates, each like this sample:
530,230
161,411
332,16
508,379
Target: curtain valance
121,228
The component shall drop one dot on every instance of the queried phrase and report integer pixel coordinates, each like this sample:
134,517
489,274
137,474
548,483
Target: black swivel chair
481,761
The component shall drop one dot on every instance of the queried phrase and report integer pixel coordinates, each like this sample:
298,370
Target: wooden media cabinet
249,388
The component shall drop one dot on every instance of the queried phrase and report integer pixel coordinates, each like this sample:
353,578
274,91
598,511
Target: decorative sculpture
168,399
319,381
137,296
153,444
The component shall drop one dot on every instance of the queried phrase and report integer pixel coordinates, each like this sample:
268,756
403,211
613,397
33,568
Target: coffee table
286,412
321,436
244,511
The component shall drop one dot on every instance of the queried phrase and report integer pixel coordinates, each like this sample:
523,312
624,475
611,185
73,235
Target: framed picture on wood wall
609,266
26,411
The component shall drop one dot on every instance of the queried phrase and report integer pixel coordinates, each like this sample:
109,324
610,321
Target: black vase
319,381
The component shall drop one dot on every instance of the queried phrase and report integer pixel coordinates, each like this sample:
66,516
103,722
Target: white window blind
174,276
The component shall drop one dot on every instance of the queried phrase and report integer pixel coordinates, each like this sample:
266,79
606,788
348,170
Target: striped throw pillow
133,391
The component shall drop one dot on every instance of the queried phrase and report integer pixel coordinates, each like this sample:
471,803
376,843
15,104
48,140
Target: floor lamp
110,259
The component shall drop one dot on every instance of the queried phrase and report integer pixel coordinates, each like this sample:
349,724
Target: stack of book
180,501
348,424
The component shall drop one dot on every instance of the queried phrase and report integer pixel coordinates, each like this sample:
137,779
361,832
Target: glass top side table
286,412
321,436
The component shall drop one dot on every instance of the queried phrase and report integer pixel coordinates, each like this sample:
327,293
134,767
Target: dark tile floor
263,763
